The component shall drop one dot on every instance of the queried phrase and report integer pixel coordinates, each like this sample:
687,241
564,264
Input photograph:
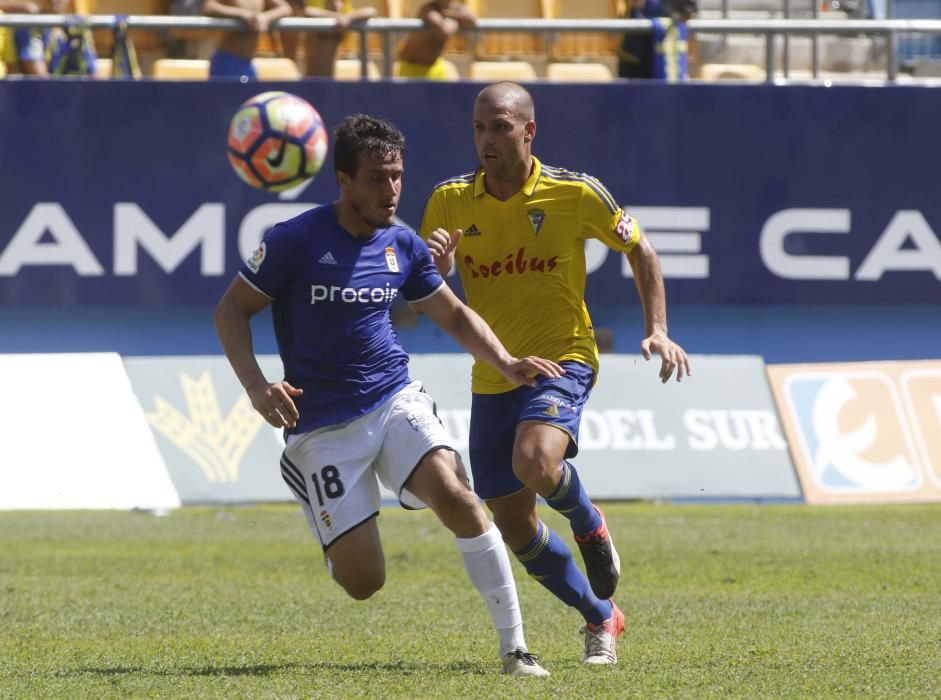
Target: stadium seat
180,69
351,69
503,45
276,69
103,68
502,70
730,71
584,44
450,68
578,73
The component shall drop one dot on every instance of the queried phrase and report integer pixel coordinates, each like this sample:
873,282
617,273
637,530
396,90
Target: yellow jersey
522,261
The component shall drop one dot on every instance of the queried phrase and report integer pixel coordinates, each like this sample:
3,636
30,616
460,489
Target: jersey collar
528,187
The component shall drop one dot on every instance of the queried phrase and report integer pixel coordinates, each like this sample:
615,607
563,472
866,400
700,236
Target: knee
534,466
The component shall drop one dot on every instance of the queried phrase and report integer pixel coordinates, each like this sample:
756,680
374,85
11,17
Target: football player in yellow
516,230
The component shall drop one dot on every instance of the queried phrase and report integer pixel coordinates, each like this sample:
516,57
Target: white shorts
333,471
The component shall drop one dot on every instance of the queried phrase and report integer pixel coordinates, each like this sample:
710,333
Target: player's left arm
649,280
472,332
602,218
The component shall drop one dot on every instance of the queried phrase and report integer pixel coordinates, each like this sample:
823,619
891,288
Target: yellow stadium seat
502,70
581,44
181,69
730,71
351,69
511,44
276,69
103,68
578,73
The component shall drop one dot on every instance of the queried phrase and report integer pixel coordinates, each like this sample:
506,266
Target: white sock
488,566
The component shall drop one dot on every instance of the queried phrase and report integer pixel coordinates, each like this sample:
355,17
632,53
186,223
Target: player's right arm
273,400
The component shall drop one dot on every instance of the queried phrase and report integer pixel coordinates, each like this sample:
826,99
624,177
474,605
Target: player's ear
529,130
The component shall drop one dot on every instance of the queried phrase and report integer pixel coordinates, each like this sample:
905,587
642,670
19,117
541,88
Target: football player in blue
352,415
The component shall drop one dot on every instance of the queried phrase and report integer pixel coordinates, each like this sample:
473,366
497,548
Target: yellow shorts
436,71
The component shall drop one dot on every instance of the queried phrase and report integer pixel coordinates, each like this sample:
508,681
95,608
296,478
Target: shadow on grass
404,668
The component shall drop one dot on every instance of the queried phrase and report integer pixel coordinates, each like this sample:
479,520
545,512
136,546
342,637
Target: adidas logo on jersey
472,230
328,259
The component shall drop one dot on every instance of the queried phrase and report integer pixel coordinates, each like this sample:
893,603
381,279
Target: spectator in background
420,55
320,48
69,50
233,57
662,54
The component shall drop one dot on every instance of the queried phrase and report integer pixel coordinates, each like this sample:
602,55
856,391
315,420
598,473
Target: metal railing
770,29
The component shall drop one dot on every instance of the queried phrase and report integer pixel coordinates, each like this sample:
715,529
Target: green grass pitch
722,601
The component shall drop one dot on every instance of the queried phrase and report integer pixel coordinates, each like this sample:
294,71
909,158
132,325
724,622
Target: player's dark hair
361,134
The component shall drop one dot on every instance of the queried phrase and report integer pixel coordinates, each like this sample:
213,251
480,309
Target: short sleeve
270,268
423,278
603,219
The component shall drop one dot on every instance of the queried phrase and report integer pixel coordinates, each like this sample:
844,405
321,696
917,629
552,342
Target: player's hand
526,370
259,22
275,403
342,24
442,246
672,355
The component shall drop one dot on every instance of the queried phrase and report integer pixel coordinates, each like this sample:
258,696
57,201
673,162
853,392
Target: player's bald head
511,96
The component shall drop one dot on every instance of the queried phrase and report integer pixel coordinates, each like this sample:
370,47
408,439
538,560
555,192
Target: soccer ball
276,141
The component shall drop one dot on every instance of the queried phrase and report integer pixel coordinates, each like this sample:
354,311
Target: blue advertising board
120,194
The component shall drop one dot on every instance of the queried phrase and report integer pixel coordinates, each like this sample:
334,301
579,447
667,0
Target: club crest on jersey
327,520
257,258
392,262
536,217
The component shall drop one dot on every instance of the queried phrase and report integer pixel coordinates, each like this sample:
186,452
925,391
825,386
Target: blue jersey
332,293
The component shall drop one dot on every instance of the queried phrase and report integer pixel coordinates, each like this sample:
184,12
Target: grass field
742,601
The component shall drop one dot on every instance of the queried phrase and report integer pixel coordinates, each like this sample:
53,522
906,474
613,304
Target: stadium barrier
75,436
714,437
863,432
769,29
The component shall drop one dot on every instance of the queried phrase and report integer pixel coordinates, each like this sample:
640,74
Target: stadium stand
583,46
149,44
509,45
349,47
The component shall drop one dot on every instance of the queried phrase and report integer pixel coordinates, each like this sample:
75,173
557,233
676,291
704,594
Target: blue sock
571,500
548,560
